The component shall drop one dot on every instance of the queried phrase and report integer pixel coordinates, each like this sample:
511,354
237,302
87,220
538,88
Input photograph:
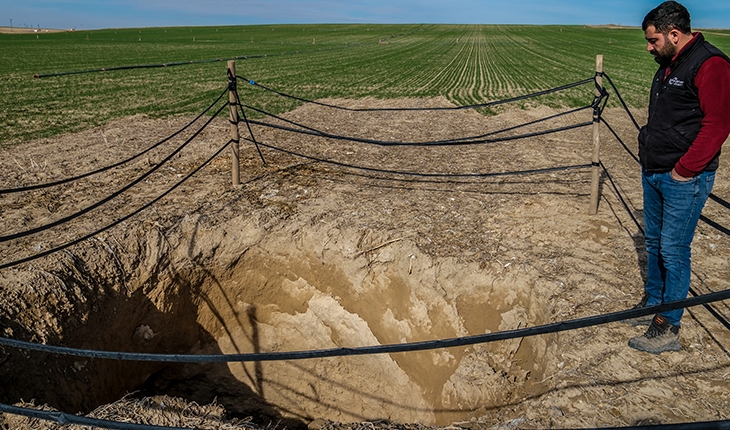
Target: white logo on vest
675,82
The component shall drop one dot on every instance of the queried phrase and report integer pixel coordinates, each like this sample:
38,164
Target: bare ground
306,255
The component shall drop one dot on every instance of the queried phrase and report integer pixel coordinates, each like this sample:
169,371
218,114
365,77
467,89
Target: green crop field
468,64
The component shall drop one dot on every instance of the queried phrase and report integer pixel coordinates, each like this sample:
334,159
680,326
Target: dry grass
156,411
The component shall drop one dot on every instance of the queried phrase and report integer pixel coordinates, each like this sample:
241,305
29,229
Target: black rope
720,318
599,103
623,103
64,418
113,195
533,122
375,349
722,202
426,175
719,227
389,109
103,169
629,151
621,198
115,223
462,141
428,143
601,97
248,125
468,139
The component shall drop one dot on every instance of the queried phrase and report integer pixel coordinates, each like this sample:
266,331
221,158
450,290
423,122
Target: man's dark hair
668,16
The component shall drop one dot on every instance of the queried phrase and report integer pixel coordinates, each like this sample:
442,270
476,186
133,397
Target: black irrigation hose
374,349
113,195
145,66
117,222
451,142
103,169
425,175
473,106
64,418
169,64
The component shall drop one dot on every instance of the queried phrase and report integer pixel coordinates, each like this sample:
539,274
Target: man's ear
674,36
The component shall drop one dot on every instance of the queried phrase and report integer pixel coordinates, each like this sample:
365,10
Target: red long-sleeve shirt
713,85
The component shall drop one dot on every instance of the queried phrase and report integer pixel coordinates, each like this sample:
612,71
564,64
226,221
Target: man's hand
677,177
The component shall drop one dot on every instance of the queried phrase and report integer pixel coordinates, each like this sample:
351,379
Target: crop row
468,64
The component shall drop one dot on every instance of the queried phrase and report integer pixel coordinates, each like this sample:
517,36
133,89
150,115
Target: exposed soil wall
317,288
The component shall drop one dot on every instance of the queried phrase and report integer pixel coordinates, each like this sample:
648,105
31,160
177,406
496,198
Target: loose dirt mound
310,255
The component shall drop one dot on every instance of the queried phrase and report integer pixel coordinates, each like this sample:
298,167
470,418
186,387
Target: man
679,147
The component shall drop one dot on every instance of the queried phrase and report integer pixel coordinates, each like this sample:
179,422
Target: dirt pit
309,255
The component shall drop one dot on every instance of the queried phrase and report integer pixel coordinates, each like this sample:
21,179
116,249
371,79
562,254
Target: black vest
675,117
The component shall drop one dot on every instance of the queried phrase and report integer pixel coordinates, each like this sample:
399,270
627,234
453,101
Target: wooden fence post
233,118
595,160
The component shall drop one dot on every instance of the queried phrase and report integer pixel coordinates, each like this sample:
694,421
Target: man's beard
665,55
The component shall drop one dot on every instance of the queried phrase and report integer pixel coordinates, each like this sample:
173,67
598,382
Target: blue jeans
671,211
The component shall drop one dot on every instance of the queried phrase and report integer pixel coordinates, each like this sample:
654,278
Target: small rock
143,333
555,412
317,424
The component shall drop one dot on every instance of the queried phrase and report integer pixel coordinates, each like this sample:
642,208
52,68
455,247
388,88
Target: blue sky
95,14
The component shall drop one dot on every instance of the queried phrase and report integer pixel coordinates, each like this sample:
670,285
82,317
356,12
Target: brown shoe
659,337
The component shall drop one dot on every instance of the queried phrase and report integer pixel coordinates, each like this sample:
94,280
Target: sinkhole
245,287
